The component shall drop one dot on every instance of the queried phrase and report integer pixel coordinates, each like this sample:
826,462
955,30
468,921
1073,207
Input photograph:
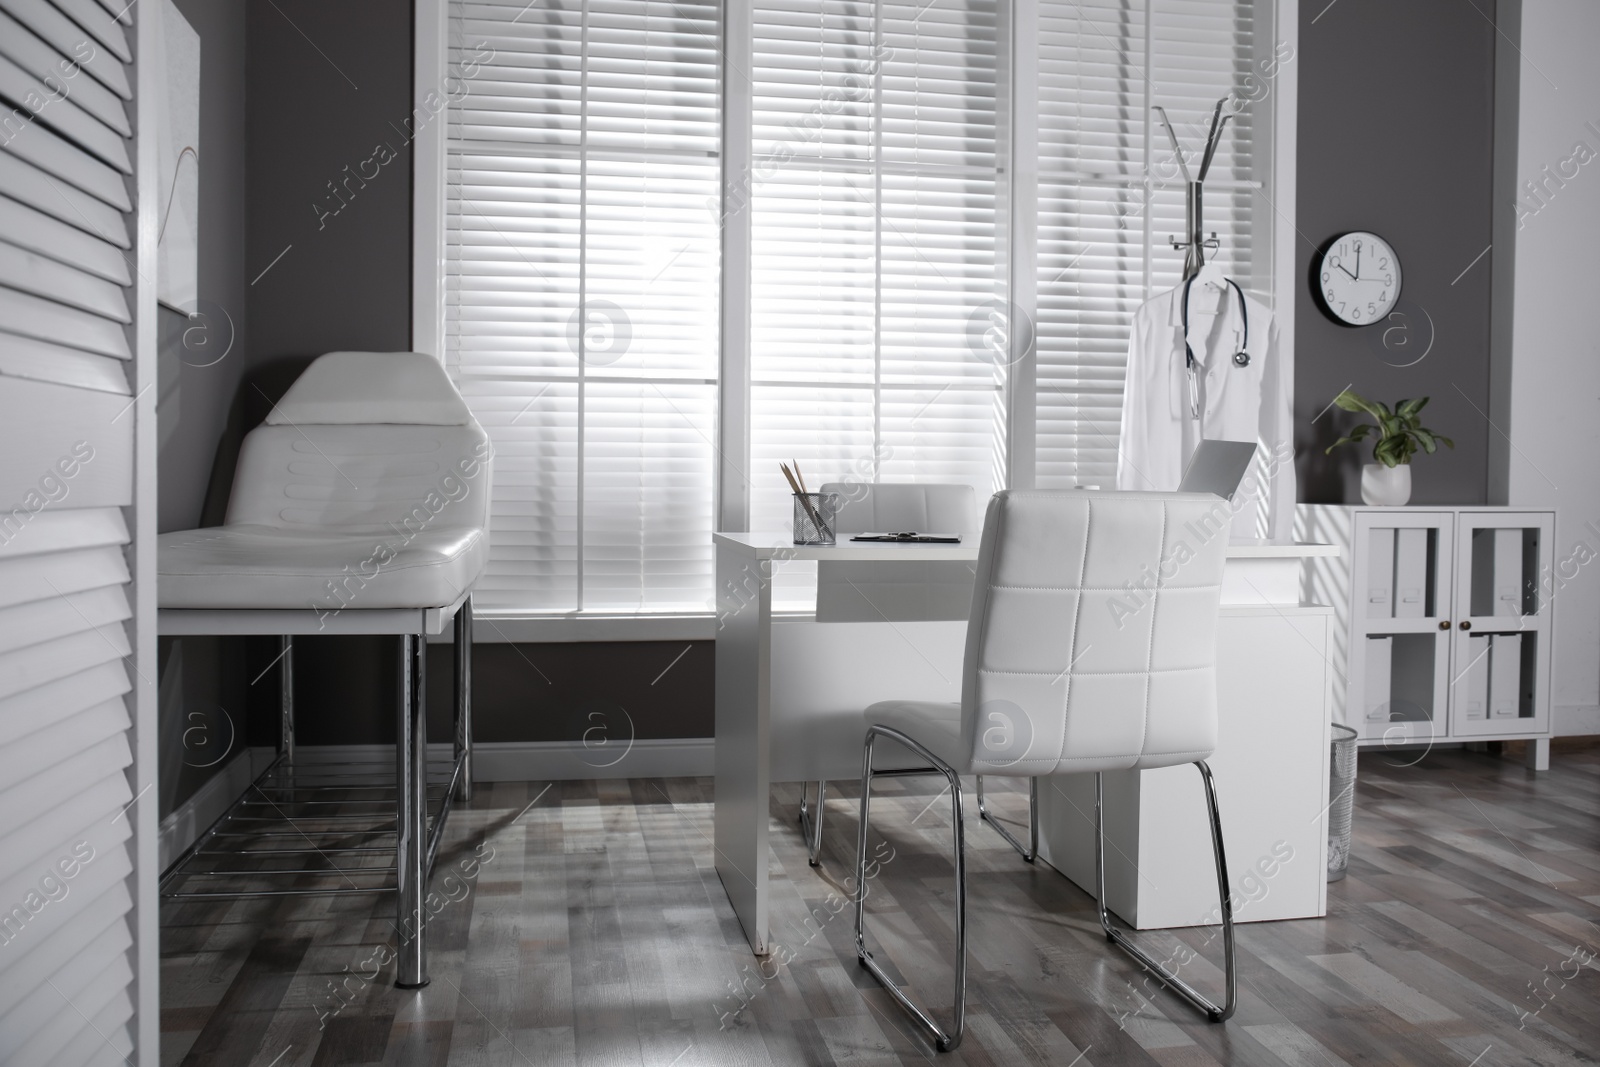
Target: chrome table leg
463,747
411,795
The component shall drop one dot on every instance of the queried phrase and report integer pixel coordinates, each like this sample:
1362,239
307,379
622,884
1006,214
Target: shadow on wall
260,388
212,688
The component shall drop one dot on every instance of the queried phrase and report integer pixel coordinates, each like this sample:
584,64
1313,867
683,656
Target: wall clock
1359,278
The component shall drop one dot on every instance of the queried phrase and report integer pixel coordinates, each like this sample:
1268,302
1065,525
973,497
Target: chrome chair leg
945,1042
1170,979
1032,850
411,817
811,822
463,708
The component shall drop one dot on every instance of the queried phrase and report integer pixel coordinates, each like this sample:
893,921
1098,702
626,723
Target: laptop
1217,467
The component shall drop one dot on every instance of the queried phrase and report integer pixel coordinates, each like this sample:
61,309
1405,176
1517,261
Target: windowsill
492,627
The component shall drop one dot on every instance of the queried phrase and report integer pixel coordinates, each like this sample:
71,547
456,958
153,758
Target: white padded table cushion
367,487
1092,640
372,387
265,567
327,477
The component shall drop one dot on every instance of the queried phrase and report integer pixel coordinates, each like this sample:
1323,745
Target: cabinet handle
1444,624
1465,625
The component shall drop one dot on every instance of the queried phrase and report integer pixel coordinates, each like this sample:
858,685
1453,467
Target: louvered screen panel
1104,222
581,294
873,249
66,438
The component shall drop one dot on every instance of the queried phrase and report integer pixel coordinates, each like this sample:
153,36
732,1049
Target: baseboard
184,825
543,761
1574,720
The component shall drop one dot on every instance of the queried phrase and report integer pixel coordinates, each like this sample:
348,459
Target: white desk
790,693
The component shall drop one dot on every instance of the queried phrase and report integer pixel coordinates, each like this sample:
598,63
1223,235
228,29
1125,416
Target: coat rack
1193,204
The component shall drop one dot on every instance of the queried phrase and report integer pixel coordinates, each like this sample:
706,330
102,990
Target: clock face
1359,278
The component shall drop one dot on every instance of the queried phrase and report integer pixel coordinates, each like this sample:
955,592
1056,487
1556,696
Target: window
874,238
1110,194
890,199
581,320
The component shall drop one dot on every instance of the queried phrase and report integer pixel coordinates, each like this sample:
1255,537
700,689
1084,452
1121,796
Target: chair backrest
1092,639
898,592
366,441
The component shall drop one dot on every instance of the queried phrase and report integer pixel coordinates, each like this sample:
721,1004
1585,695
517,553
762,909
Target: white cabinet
1444,624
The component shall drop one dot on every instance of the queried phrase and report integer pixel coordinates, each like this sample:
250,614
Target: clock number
1372,309
1332,295
1341,307
1383,264
1357,245
1326,278
1388,279
1356,314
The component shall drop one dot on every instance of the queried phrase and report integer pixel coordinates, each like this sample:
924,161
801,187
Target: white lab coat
1249,403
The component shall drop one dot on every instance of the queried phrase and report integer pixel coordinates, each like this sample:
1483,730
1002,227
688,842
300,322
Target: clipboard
910,538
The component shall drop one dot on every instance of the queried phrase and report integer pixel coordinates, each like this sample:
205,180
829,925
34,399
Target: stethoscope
1241,358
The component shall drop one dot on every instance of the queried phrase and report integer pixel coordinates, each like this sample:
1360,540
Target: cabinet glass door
1500,660
1401,601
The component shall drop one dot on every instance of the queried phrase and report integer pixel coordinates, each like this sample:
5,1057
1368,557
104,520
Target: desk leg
411,816
743,737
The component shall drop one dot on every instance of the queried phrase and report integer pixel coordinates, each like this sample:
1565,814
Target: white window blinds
581,302
582,318
67,955
874,246
1110,195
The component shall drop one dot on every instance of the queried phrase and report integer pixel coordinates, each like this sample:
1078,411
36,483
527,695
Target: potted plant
1387,480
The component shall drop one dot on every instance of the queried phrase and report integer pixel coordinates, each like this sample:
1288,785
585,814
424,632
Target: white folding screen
875,246
67,478
1111,195
581,299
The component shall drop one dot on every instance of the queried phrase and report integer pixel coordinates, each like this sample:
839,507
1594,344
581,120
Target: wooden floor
595,931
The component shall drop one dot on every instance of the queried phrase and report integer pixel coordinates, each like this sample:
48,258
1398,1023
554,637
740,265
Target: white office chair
360,506
901,592
1062,676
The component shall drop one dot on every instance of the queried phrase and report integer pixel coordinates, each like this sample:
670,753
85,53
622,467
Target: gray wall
328,84
1396,136
199,366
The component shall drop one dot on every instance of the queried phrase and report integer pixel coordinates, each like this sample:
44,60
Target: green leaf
1357,434
1352,402
1410,407
1429,445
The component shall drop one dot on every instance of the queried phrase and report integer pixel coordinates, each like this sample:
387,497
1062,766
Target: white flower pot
1383,486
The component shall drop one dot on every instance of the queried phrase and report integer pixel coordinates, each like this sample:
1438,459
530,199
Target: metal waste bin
1341,800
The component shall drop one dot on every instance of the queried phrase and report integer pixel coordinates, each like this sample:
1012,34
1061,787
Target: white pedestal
1271,768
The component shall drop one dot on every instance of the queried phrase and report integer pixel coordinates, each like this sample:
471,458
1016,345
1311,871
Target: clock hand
1342,267
1357,274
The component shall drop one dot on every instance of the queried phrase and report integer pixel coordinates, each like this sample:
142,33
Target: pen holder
806,529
